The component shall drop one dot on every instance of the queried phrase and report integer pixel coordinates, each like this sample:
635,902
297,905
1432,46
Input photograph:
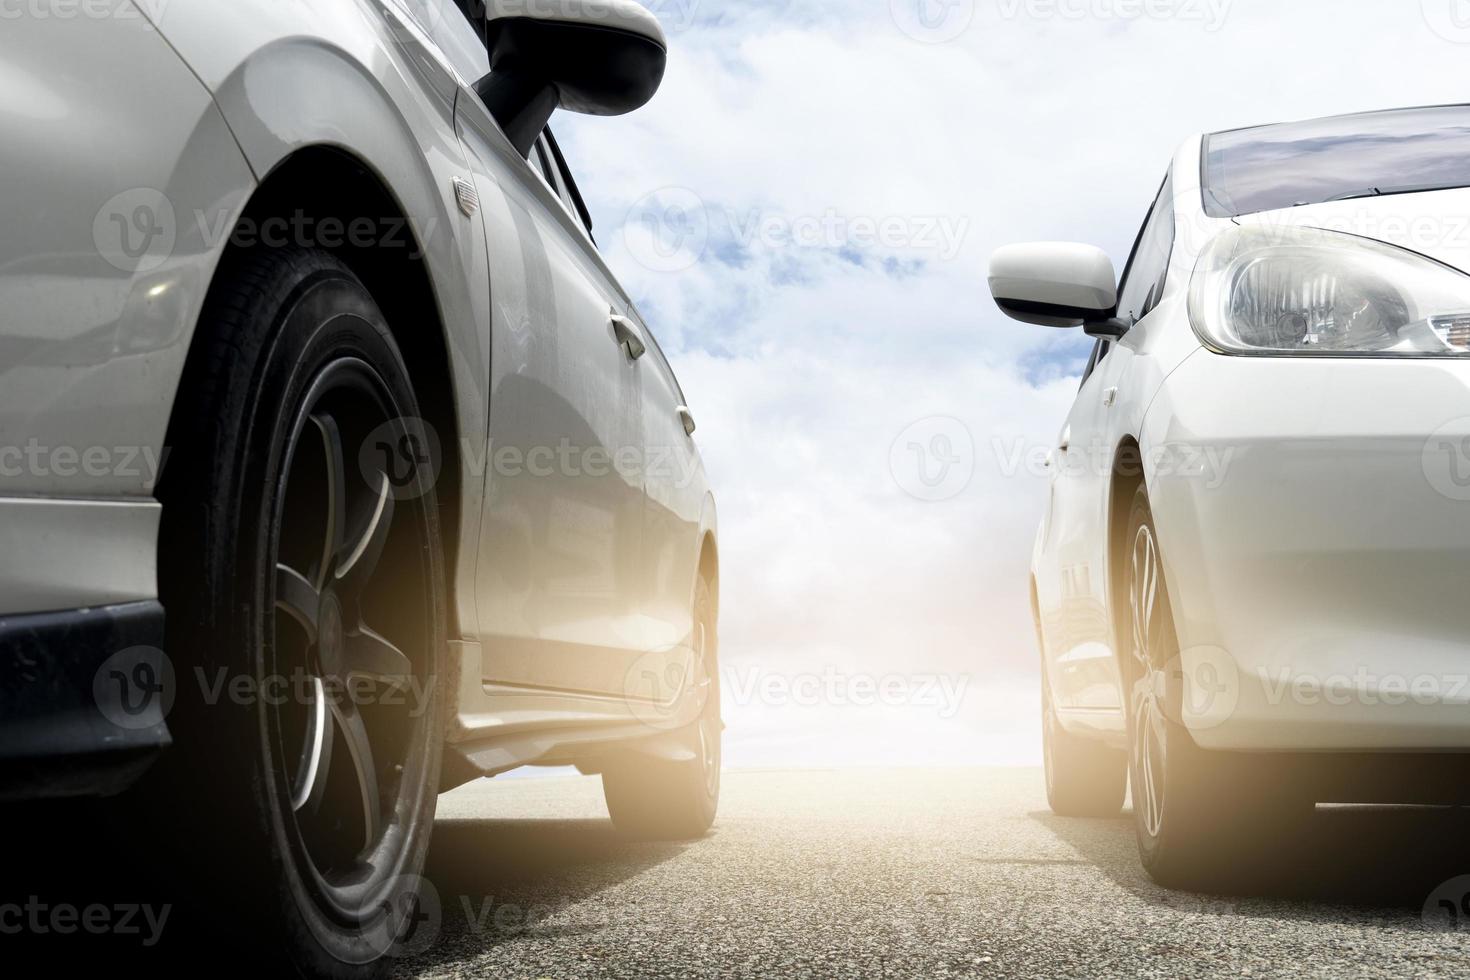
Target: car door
1072,589
558,586
674,482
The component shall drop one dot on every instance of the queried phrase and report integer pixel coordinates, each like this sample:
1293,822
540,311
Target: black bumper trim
83,696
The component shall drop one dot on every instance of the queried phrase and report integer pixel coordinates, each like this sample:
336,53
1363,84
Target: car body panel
99,296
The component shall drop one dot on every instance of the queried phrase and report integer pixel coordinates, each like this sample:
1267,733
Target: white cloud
805,363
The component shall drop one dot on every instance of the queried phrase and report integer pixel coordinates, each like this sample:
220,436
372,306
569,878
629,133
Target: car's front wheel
303,572
1202,818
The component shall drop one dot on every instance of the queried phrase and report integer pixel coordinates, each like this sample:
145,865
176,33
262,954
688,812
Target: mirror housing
600,57
1054,284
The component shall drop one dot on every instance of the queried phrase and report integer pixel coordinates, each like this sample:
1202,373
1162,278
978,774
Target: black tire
1084,777
652,799
303,813
1204,820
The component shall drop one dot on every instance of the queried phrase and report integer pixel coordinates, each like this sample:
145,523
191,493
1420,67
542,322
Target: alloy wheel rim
709,716
1146,702
347,748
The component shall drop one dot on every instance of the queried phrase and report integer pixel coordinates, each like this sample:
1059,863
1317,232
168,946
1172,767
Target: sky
803,216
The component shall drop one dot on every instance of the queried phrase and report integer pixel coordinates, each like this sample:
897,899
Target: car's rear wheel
303,574
1084,777
655,799
1202,818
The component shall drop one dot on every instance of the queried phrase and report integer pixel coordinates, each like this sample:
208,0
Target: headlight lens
1308,291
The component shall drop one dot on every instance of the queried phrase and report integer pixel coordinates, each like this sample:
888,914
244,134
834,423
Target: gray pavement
911,873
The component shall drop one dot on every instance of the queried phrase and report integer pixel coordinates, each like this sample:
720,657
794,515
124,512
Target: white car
336,468
1249,581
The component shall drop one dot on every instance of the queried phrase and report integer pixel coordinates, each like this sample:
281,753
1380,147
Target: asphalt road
919,873
822,874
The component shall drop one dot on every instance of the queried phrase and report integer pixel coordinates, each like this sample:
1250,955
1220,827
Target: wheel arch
709,567
1127,477
317,183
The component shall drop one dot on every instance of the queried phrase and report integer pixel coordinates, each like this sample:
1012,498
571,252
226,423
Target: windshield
1341,157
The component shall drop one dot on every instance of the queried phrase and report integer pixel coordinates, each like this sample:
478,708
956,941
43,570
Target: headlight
1308,291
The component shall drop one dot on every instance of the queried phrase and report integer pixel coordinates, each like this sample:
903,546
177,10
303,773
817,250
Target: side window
570,194
1148,266
541,163
1094,360
547,161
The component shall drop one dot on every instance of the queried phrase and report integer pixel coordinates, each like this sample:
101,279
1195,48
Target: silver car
336,468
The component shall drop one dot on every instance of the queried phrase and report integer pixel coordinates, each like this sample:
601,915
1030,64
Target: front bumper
83,695
1314,517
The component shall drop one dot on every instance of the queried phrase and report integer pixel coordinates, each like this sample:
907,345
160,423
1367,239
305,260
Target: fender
355,76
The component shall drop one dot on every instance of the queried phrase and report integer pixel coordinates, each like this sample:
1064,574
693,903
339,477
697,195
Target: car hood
1432,223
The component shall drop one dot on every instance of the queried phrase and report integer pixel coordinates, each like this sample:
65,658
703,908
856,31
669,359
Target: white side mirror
1054,284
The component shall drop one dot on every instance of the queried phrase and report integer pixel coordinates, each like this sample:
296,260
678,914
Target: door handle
1066,441
686,418
628,335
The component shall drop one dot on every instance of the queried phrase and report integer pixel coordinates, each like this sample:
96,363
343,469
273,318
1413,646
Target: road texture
916,873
